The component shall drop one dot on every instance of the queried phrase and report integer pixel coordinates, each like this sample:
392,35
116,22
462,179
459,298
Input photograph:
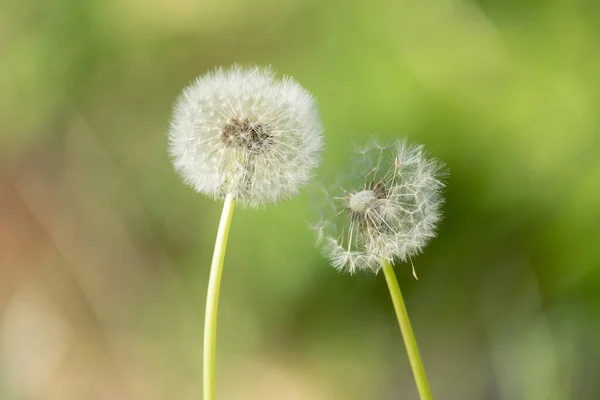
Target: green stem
212,299
407,333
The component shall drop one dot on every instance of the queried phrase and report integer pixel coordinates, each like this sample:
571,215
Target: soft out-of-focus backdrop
104,253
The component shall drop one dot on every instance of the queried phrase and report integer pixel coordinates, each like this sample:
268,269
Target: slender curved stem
212,299
407,333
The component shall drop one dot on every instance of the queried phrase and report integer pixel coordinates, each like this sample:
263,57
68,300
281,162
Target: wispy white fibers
389,213
245,132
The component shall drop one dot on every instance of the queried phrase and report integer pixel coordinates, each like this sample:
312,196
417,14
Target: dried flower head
389,215
242,131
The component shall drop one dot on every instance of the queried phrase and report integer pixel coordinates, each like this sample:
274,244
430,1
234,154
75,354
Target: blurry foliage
94,218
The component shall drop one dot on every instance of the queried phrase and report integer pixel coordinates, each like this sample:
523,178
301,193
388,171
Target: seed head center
244,134
360,202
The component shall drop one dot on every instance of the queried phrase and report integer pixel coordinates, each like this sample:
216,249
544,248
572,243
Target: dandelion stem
212,299
407,333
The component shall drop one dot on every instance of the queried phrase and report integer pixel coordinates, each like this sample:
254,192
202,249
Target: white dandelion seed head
245,132
390,214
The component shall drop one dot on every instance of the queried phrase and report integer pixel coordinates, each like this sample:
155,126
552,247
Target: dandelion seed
244,132
391,214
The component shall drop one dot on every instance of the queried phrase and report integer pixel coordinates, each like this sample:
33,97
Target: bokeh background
104,253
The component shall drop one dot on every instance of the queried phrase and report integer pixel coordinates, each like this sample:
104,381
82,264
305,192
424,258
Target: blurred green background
104,253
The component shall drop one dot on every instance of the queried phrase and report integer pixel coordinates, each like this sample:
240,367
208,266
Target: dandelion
390,215
245,136
243,132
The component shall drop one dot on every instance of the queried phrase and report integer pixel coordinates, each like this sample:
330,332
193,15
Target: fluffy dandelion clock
245,132
389,214
243,135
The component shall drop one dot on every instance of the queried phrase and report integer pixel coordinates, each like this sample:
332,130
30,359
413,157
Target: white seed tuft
242,131
391,214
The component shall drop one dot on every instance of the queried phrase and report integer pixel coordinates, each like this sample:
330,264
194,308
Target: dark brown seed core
361,202
379,191
243,134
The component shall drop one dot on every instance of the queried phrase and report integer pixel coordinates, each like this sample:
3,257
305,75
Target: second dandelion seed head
390,214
